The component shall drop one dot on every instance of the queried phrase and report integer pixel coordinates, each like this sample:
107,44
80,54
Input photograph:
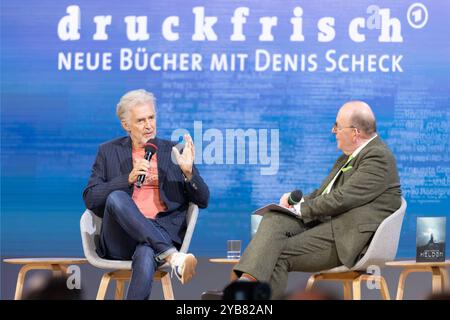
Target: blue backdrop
280,85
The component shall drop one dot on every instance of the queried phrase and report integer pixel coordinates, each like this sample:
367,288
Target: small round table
57,265
438,270
226,261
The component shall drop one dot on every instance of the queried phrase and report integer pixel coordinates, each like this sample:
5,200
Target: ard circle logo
417,15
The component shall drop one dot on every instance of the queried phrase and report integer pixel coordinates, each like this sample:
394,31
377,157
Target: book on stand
430,239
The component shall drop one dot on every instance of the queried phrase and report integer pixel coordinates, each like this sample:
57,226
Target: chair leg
312,279
118,295
103,286
381,284
356,286
366,277
384,290
347,290
345,278
167,286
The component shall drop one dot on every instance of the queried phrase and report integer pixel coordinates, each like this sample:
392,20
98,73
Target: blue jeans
128,235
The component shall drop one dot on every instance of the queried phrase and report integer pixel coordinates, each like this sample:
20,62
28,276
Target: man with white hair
147,224
335,223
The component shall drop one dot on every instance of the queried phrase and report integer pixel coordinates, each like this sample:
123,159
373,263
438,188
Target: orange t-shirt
147,198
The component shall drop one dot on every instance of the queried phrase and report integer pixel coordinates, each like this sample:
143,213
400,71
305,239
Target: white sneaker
184,266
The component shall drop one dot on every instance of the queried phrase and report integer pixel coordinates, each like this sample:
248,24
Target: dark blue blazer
110,172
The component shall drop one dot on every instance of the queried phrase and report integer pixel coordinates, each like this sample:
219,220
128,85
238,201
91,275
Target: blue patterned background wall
274,71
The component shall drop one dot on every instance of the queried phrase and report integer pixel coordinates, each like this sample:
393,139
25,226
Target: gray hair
131,99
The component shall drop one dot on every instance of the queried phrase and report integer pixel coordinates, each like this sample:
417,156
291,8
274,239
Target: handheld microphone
150,150
295,197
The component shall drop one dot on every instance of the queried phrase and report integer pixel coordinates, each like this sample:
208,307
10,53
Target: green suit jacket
364,194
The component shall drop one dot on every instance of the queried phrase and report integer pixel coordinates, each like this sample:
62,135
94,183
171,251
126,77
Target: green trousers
283,244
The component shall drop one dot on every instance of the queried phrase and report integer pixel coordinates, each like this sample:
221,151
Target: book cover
430,240
275,207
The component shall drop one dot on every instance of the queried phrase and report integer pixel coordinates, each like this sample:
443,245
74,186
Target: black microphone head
150,146
295,197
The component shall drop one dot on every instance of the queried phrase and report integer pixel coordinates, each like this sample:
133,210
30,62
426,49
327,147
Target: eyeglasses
335,127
